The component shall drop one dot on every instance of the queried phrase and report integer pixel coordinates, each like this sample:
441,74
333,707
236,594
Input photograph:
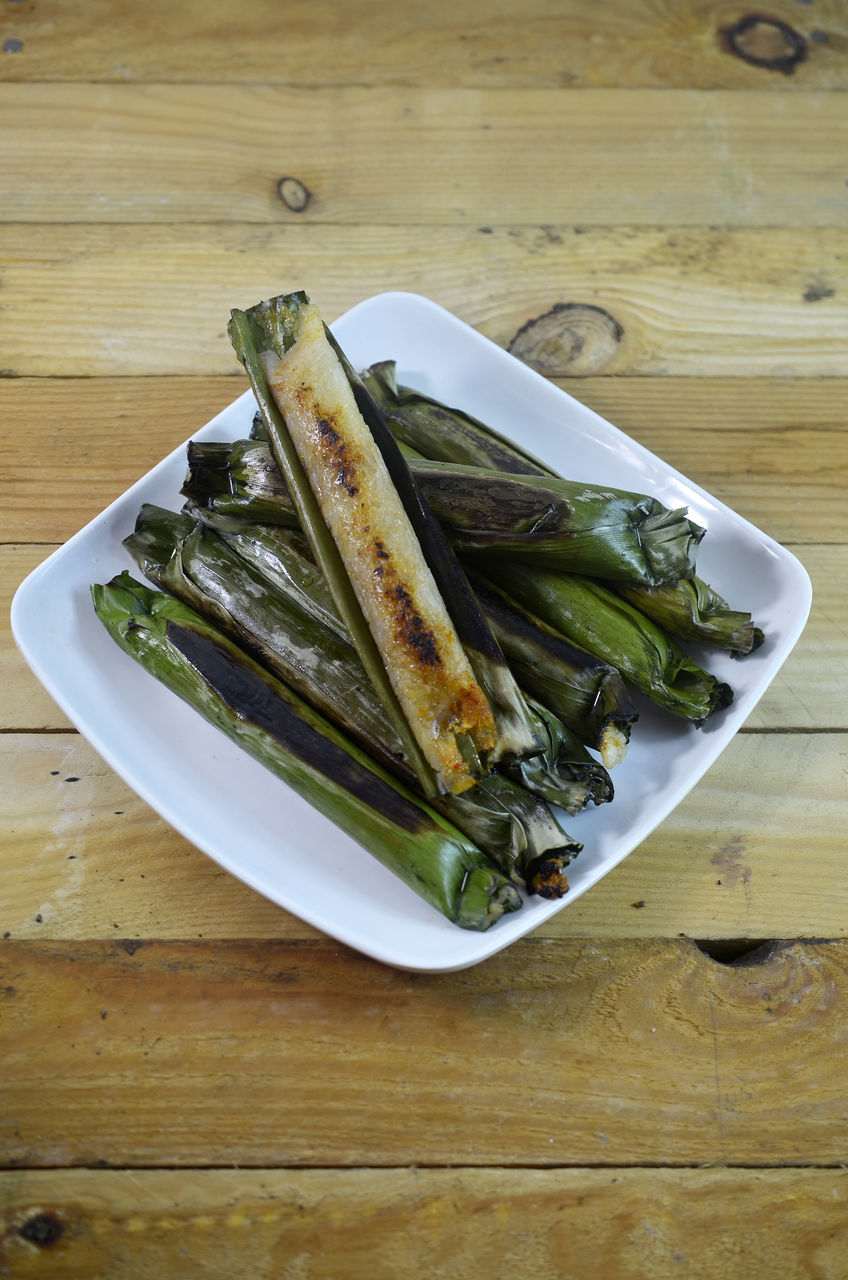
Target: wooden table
655,1083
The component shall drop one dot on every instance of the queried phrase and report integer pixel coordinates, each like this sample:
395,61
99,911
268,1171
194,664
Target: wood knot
42,1229
764,42
573,339
294,194
130,945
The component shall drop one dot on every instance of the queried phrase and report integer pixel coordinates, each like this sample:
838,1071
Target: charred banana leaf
584,691
285,626
693,611
240,479
195,564
581,528
434,430
199,663
564,773
590,615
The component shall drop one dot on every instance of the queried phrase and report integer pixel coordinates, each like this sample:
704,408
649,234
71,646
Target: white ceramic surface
251,823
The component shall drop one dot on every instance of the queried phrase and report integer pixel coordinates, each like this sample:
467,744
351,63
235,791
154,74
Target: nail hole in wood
737,952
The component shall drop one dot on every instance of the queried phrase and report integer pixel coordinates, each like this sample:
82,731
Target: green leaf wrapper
286,620
258,712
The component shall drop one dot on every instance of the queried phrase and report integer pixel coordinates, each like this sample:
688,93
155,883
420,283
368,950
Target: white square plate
251,823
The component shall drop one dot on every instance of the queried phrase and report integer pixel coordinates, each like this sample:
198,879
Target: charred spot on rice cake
413,632
338,456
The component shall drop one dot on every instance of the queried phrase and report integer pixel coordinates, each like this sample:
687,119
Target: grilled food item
436,430
584,691
369,529
589,615
694,611
262,715
408,619
288,623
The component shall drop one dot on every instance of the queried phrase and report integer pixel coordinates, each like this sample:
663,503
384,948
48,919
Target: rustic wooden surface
655,1083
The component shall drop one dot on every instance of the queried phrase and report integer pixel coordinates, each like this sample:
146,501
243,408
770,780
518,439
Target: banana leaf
589,615
693,611
228,688
590,529
285,628
596,531
564,773
239,479
584,691
436,431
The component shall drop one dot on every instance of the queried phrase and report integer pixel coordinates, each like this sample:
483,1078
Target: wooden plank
371,1224
173,153
623,43
773,449
554,1052
754,851
75,445
714,302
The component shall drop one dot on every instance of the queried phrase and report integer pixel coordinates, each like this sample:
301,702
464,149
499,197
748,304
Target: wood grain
75,445
370,1224
555,1052
624,43
189,153
750,853
696,301
647,199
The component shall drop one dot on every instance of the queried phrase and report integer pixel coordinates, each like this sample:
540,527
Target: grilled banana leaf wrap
290,626
584,691
446,674
197,661
695,613
589,615
590,529
435,430
689,609
565,773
